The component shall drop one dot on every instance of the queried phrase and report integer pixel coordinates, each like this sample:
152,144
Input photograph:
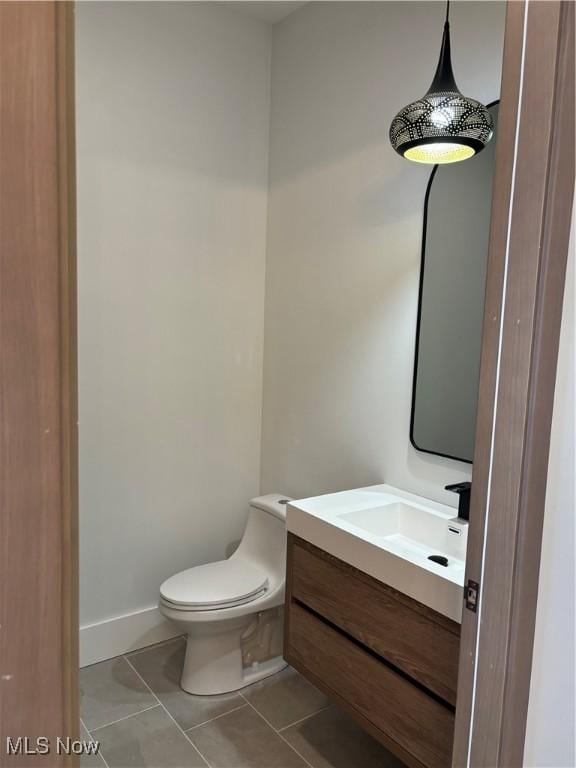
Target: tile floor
135,708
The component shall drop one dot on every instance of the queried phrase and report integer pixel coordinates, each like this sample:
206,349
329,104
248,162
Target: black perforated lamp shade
443,126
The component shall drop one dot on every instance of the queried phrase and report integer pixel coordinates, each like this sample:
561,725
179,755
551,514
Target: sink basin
391,535
419,531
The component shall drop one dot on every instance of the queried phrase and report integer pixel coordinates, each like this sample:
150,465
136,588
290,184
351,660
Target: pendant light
443,126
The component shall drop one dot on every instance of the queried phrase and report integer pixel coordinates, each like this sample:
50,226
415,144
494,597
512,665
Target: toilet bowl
231,610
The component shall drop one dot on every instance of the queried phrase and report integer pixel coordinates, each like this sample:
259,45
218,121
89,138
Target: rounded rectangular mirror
451,305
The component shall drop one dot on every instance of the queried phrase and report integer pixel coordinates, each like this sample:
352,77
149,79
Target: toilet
232,611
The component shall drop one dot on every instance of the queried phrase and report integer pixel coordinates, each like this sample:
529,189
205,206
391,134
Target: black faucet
463,491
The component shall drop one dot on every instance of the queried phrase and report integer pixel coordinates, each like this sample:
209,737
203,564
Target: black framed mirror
451,305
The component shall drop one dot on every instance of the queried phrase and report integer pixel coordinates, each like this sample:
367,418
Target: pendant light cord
447,11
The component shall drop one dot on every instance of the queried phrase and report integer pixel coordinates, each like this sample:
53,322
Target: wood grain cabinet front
389,661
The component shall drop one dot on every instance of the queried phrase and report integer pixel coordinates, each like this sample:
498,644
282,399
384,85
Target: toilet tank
273,503
264,539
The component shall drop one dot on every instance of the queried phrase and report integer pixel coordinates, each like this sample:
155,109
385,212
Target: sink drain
440,559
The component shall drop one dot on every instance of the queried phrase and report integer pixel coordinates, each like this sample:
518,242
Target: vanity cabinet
390,661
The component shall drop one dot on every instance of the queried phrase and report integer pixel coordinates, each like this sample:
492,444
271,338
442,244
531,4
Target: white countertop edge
430,589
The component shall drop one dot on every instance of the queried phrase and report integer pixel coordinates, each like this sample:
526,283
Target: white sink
390,534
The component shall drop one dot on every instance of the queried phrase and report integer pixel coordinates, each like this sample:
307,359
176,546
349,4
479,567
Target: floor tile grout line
204,722
303,719
295,722
135,652
149,689
89,732
186,732
217,717
138,651
182,731
203,757
121,719
277,732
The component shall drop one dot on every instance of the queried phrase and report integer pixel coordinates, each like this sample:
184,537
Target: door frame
533,187
529,235
38,380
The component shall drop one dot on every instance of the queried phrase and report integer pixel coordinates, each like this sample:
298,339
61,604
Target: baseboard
113,637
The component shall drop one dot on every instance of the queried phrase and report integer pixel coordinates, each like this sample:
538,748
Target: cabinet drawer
410,636
403,712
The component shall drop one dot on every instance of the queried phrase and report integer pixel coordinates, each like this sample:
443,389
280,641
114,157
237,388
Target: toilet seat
213,586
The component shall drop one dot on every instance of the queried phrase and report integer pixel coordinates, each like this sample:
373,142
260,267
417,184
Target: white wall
172,121
344,235
172,131
550,738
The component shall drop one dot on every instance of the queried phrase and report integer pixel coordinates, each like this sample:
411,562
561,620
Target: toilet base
263,669
229,680
214,662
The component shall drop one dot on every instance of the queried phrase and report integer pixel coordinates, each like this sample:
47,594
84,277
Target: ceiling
265,10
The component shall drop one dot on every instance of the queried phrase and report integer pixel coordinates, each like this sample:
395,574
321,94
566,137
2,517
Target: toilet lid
215,585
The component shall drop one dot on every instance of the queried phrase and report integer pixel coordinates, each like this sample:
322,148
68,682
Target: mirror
451,305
